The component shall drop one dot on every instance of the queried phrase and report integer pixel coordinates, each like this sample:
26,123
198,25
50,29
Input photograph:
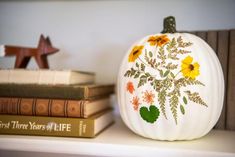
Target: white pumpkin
170,87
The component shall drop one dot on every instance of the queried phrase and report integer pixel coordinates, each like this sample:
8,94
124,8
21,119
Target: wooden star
24,54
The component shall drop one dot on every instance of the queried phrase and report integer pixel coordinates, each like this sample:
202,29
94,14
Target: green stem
177,74
143,61
169,25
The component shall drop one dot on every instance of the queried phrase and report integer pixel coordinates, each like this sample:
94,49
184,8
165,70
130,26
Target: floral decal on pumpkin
158,40
135,102
136,51
189,69
130,87
168,80
148,97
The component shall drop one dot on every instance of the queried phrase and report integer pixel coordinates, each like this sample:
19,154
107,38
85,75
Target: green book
48,126
75,92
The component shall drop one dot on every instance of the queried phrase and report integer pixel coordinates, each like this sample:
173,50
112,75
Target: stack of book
53,103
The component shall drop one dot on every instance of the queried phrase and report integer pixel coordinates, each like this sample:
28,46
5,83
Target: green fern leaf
173,105
185,100
195,97
162,101
166,73
182,109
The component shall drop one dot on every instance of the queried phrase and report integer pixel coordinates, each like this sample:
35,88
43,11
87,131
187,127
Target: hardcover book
45,76
76,92
47,126
52,107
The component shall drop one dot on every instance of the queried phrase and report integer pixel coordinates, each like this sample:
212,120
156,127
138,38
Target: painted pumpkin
170,86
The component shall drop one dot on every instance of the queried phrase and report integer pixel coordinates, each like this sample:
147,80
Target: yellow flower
158,40
189,69
135,52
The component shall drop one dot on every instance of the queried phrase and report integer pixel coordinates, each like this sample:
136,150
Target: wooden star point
24,54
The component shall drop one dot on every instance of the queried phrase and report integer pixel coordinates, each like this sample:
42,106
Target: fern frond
195,97
180,51
171,44
183,44
174,101
193,82
162,101
161,55
156,84
183,82
171,66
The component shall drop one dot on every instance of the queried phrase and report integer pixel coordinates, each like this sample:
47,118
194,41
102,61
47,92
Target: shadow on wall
104,63
7,62
63,57
107,63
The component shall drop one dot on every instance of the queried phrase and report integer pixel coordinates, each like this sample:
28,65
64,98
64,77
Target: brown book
52,107
230,108
75,92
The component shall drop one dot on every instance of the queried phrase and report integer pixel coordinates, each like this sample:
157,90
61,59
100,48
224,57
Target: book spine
44,77
46,126
42,107
41,91
96,91
230,108
54,92
223,54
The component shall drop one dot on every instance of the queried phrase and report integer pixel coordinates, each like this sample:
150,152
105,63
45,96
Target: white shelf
118,140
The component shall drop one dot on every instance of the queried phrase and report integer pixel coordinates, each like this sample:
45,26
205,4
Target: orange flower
158,40
130,87
135,102
148,97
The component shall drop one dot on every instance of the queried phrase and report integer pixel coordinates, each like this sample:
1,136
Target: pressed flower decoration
158,40
135,102
136,51
148,97
170,77
130,87
190,69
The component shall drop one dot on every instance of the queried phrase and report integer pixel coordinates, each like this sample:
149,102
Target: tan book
52,107
45,76
48,126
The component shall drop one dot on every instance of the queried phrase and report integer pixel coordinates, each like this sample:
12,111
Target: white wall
94,35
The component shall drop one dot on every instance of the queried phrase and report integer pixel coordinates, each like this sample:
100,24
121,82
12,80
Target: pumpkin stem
169,25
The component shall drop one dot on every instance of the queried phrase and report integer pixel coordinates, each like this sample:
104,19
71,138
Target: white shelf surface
118,140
